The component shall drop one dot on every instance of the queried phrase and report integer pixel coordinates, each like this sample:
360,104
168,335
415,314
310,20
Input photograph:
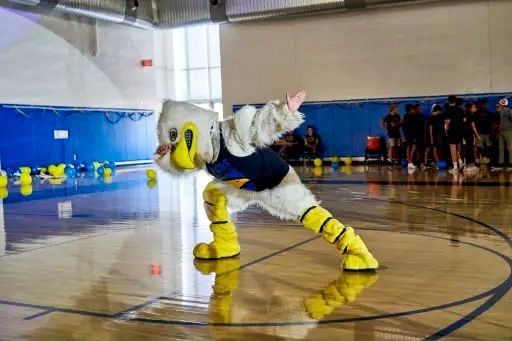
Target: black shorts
454,138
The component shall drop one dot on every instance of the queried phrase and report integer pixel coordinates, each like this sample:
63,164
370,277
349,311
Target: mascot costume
235,152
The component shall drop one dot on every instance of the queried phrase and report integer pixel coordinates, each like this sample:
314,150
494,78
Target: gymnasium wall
52,60
423,50
58,60
27,137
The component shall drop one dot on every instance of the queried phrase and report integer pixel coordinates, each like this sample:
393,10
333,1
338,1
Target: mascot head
184,137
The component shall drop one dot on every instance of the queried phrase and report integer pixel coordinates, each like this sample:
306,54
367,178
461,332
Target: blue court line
42,313
407,182
122,314
500,292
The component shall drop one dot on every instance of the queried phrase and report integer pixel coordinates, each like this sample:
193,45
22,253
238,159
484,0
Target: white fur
246,130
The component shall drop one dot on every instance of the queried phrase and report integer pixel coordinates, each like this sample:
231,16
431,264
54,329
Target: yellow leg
343,290
225,241
357,256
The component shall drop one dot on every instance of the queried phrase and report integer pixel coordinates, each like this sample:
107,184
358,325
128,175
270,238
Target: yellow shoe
343,290
357,256
225,243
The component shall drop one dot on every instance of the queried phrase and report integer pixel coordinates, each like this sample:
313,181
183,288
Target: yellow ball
318,171
25,170
151,183
107,179
4,193
60,170
107,172
335,159
3,181
317,162
151,174
26,190
348,160
51,169
25,179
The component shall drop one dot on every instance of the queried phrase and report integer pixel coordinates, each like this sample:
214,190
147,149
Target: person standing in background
483,123
409,127
419,131
505,134
470,133
435,130
453,125
391,123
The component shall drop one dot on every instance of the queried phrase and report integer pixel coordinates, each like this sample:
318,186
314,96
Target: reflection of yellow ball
151,174
25,179
318,171
317,162
26,190
151,183
3,181
347,169
4,193
25,170
107,172
348,160
56,181
335,159
107,178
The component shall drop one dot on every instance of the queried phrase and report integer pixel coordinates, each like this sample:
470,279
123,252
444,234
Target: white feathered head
184,137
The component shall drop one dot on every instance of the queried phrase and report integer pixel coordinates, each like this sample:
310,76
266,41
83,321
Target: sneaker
461,164
411,166
454,170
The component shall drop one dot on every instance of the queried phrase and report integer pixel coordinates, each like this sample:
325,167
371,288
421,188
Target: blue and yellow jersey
261,170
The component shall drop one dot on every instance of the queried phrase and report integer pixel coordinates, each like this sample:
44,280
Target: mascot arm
272,120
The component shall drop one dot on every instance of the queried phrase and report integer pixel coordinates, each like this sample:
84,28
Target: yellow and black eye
173,134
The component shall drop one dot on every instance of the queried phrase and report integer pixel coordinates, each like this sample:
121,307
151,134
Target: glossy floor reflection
89,260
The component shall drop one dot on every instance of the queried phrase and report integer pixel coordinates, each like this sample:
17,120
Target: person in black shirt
291,145
435,124
311,143
453,125
483,122
413,130
391,122
470,134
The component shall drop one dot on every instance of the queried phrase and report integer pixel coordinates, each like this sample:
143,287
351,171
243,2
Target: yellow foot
358,258
216,250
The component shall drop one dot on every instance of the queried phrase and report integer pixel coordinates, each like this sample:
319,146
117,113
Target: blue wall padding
29,141
345,125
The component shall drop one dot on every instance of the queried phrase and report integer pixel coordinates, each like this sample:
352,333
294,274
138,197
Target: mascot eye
173,134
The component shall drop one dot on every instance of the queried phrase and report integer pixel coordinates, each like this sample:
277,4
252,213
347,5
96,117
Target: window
197,76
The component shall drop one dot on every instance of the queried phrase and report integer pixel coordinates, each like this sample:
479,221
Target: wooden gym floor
97,261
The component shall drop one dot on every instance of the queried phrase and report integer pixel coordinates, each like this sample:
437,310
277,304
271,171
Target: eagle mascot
236,152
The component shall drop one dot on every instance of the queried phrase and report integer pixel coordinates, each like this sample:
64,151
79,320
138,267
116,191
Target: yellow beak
185,152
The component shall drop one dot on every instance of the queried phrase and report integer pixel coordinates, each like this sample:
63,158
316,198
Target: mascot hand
294,102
